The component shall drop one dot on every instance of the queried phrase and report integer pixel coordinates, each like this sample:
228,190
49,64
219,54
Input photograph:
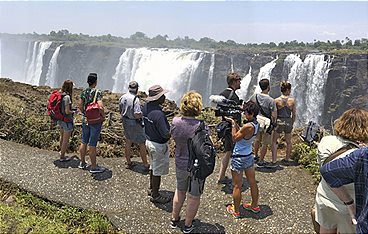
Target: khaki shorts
159,154
332,219
284,125
263,137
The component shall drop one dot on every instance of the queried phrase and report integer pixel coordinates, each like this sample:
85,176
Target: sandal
129,165
65,159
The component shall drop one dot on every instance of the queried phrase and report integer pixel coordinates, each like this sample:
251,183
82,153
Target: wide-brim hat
155,92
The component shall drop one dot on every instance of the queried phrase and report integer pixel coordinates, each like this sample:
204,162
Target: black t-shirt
227,92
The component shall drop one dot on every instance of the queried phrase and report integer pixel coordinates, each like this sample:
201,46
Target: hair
92,78
67,88
191,104
264,84
285,86
251,107
353,125
232,77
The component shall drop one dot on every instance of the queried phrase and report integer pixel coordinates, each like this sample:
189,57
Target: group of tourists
264,118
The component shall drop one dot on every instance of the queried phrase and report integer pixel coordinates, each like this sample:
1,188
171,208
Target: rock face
325,85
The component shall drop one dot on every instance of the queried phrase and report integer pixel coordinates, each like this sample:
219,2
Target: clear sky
241,21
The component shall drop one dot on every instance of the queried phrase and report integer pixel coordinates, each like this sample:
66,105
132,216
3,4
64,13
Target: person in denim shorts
182,129
242,159
67,124
90,132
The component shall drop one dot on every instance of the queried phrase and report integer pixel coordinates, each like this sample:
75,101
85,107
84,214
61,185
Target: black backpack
221,129
311,133
202,154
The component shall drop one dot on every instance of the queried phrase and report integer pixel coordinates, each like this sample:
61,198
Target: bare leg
275,136
82,152
128,146
143,153
61,141
251,178
92,156
224,164
256,148
263,152
179,198
192,208
237,184
65,142
288,145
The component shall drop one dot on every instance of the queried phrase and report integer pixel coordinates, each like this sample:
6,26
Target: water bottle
196,163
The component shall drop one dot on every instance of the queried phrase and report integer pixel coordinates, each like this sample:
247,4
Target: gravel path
286,194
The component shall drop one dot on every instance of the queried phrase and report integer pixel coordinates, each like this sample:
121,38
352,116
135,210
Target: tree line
140,39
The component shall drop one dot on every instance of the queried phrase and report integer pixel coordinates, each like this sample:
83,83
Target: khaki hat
155,92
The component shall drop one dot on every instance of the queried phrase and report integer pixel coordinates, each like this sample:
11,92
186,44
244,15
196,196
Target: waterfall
35,63
232,64
210,75
307,81
244,85
265,73
174,69
51,72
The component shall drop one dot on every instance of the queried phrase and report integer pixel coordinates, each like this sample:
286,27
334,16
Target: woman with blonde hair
183,127
351,130
67,124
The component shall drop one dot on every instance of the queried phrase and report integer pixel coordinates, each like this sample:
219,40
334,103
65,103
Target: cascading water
264,73
34,69
244,85
174,69
52,71
210,76
308,80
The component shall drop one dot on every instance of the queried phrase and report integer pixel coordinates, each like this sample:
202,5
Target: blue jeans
91,134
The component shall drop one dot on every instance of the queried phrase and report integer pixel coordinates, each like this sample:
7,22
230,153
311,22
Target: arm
67,104
293,111
80,105
246,131
274,112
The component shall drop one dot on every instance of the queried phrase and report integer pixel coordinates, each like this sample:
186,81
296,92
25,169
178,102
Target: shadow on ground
166,206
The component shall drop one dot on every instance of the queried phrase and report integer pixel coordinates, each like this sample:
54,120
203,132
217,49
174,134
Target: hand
230,120
352,210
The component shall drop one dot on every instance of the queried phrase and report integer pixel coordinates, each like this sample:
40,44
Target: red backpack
54,107
94,114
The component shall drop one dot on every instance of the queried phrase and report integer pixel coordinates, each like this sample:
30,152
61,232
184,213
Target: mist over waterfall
174,69
52,70
35,62
308,80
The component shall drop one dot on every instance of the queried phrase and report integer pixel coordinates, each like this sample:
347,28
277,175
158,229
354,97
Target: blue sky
241,21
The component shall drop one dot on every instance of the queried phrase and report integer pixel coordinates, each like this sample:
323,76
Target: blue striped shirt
352,169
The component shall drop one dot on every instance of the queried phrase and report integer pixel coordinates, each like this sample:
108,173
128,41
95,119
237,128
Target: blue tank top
244,146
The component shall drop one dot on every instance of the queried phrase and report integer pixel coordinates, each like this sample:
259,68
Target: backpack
202,154
311,133
221,129
94,114
54,107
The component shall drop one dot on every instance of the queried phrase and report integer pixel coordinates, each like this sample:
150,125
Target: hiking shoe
129,165
174,223
225,180
97,170
271,165
160,199
256,159
230,209
65,159
262,164
188,229
249,207
82,165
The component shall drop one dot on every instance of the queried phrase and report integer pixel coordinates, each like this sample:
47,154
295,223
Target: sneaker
188,229
249,207
230,209
82,165
97,170
262,164
271,165
160,199
256,159
225,180
174,223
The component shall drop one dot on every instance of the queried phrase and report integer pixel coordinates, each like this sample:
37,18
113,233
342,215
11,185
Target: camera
233,112
271,128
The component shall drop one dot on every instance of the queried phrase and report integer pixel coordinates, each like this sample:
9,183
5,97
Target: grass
23,212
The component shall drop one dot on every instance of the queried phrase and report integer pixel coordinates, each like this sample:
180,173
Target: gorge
324,84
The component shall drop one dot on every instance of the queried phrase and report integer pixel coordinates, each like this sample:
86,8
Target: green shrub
307,156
